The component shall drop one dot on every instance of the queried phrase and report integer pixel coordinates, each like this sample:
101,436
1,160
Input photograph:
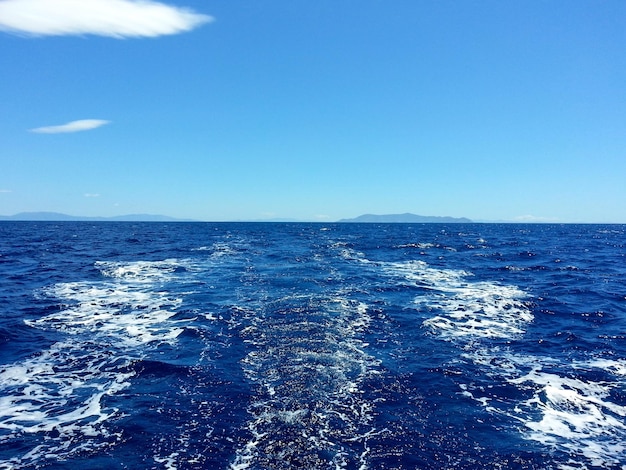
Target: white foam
615,366
228,247
125,313
108,324
420,273
169,462
422,246
466,309
346,252
222,249
564,411
48,393
577,416
478,310
141,271
310,370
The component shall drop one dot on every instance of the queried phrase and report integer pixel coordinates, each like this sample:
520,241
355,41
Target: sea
312,346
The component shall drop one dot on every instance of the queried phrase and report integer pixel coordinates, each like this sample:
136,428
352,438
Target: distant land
58,217
366,218
407,218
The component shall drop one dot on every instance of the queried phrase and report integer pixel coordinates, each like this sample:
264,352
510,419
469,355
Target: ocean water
313,346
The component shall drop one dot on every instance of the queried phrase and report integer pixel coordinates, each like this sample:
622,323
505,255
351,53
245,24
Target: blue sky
245,110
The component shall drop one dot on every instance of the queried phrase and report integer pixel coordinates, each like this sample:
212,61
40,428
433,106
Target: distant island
365,218
406,218
58,217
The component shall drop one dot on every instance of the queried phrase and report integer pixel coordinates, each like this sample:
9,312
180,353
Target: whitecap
464,309
576,416
565,410
107,325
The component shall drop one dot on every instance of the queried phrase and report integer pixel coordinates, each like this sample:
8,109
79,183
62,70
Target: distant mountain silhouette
365,218
58,217
406,218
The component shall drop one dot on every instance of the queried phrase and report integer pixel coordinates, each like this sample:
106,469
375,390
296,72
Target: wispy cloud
74,126
113,18
92,195
5,191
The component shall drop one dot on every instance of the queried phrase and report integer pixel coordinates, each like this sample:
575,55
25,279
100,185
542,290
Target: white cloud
74,126
5,191
113,18
92,195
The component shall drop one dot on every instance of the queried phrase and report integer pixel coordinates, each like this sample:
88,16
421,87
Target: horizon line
45,216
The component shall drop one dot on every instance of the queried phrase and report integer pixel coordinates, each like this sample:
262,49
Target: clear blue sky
314,110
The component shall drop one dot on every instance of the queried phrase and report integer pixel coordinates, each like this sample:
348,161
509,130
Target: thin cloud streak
5,191
74,126
112,18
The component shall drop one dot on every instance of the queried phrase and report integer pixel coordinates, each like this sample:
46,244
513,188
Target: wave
558,407
253,351
106,326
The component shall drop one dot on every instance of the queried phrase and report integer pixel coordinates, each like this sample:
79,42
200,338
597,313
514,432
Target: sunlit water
315,346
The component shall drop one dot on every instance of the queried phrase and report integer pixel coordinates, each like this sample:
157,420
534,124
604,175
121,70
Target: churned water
314,346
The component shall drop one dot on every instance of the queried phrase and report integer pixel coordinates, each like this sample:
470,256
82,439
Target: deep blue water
314,346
